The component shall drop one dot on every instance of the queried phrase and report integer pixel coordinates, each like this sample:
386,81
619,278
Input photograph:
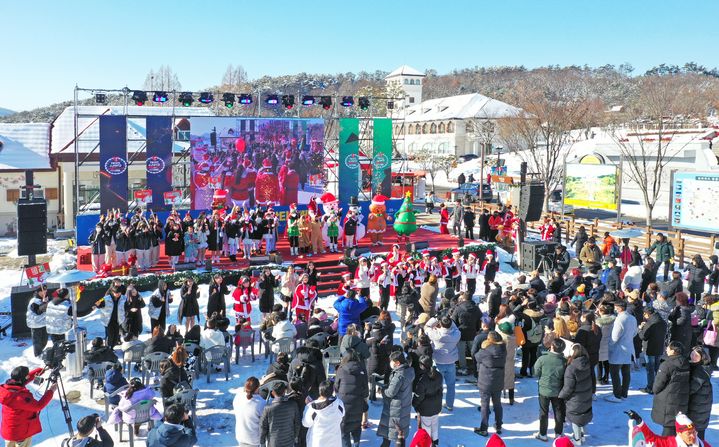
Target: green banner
382,157
349,162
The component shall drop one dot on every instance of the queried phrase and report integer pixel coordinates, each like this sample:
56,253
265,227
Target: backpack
615,252
535,334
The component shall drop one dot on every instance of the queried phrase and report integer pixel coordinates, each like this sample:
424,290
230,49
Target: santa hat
425,253
682,423
395,245
266,163
455,251
288,154
346,274
293,206
247,162
562,442
489,254
379,199
446,258
472,256
433,258
328,197
495,441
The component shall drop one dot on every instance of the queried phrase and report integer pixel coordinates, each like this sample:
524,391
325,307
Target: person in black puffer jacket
681,320
378,361
308,368
427,397
407,295
652,332
352,388
281,419
468,318
490,381
590,337
577,391
700,390
417,350
158,342
671,388
99,353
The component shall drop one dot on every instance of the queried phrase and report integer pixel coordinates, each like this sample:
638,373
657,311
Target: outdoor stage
435,240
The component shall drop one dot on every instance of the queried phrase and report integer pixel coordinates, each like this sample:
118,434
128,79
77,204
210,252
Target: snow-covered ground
216,420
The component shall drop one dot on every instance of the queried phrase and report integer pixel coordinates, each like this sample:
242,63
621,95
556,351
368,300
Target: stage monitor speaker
531,202
531,254
31,227
185,266
419,246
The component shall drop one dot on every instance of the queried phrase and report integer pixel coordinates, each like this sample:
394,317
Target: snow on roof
472,105
24,146
63,131
404,70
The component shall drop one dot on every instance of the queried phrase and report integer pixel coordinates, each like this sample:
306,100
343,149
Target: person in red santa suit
385,282
345,284
457,264
289,184
424,266
508,229
546,230
243,295
686,436
443,219
267,188
238,184
363,277
303,300
470,271
395,256
436,268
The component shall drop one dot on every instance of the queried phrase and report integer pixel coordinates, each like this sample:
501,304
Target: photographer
177,430
35,318
58,317
20,410
85,429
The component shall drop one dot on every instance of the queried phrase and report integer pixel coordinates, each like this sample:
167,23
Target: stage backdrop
693,204
256,161
382,157
113,162
349,162
159,160
591,186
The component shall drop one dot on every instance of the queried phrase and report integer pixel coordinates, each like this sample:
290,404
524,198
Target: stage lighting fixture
159,97
288,101
347,101
206,98
139,97
246,99
326,102
228,99
100,98
272,100
186,99
364,102
308,100
390,105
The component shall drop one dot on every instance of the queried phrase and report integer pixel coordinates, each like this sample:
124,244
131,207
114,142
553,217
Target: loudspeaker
419,246
275,258
31,227
184,266
531,251
531,202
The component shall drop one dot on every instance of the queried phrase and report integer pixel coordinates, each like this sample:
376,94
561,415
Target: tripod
544,265
55,377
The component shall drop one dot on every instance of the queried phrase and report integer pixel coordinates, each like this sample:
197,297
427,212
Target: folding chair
246,340
133,355
151,364
214,356
285,344
115,393
188,398
143,413
96,373
331,356
267,388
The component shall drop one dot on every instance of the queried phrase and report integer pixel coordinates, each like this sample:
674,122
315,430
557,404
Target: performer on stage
546,231
470,272
377,220
293,230
363,276
443,219
458,265
331,220
244,294
267,188
303,300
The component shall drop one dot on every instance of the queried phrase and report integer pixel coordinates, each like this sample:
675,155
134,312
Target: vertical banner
349,162
382,157
159,160
113,162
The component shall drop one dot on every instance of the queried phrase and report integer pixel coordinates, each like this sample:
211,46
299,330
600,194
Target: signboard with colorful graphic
173,198
693,203
382,157
591,186
349,161
37,274
159,159
143,197
113,162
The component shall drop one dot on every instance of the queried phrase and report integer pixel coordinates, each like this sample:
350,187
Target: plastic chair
188,398
214,356
371,320
330,356
267,388
151,364
284,344
96,372
143,412
133,355
246,340
191,349
115,393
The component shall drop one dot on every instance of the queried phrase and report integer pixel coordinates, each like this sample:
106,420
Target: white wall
8,210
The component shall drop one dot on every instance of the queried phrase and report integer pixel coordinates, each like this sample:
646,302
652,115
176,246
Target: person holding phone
86,428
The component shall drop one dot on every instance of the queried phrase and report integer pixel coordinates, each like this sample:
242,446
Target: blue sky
49,46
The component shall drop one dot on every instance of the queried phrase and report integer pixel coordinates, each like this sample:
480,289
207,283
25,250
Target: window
441,127
469,127
411,99
411,148
417,130
410,130
425,128
450,127
51,193
433,128
442,148
183,135
427,147
12,195
406,82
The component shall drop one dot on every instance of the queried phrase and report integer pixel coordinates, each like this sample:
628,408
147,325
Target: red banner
37,274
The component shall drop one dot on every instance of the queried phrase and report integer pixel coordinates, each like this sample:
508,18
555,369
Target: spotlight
326,102
364,102
272,100
390,105
100,98
308,100
228,99
139,97
347,101
246,99
186,99
206,98
288,101
159,97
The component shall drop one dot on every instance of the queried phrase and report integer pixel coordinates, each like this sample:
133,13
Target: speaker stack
531,202
31,227
531,254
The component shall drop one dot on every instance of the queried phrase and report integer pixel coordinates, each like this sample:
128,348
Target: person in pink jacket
137,392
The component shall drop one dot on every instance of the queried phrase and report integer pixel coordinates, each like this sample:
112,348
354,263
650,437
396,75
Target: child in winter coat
135,393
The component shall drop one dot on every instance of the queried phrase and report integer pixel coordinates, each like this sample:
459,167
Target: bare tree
162,79
648,134
426,159
235,77
553,105
445,163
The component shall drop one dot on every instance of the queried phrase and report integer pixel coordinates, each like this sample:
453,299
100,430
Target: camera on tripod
54,356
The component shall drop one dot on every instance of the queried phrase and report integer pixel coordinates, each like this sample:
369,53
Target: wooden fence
685,245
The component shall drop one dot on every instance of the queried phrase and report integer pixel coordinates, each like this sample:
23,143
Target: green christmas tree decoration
405,222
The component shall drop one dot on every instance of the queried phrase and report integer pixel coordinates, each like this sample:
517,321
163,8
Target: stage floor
435,240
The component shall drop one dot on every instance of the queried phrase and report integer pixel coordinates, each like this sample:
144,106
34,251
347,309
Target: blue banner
159,160
113,162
